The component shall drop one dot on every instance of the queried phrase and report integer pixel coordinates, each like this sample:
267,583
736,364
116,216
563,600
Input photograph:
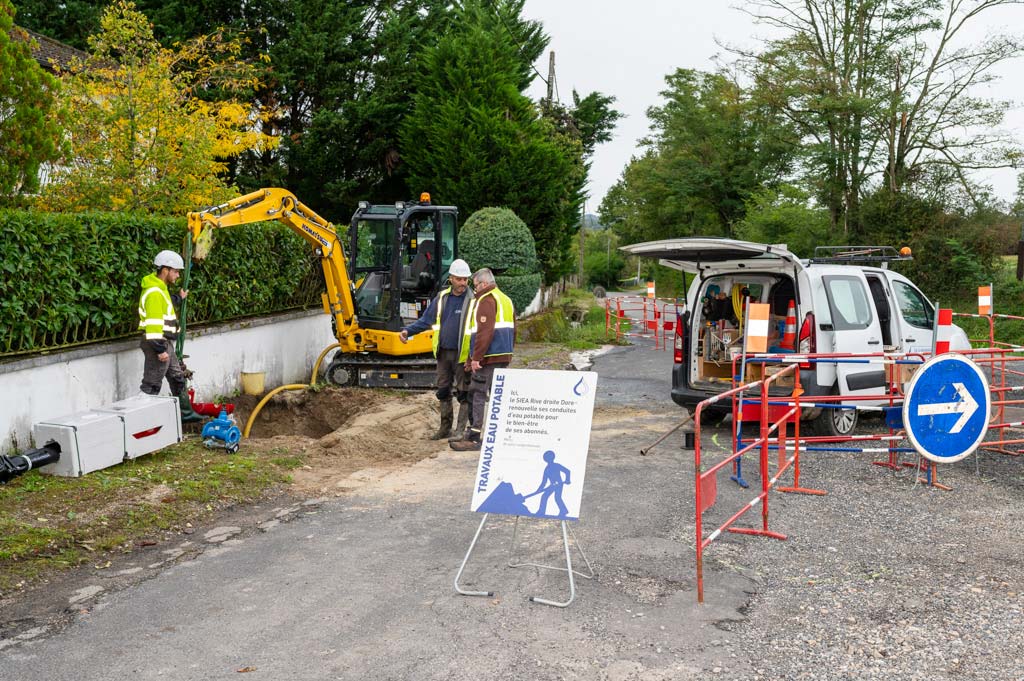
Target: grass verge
49,523
577,321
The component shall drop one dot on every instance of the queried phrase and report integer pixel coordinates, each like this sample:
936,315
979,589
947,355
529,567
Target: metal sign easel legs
566,531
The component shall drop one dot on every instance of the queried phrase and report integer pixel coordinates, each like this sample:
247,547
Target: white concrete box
89,441
151,422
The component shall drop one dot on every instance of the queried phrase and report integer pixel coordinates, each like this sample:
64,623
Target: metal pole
462,567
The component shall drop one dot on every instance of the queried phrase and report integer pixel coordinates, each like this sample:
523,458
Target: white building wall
49,386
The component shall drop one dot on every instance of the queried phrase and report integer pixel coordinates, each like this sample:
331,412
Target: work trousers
480,392
154,371
451,376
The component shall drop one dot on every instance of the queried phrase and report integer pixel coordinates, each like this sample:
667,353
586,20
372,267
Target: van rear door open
706,256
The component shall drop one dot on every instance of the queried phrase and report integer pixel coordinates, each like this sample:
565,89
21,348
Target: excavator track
374,370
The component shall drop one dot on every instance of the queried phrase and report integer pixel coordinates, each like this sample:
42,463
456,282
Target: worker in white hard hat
159,325
445,316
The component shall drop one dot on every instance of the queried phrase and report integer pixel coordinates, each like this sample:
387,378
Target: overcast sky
626,48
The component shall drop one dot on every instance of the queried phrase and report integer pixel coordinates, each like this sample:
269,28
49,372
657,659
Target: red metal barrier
705,487
650,318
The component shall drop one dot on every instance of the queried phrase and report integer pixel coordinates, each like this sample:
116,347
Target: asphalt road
361,587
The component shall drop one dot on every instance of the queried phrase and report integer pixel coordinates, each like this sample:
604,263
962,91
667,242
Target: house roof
51,54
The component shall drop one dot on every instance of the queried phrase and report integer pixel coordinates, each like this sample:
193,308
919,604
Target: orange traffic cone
789,337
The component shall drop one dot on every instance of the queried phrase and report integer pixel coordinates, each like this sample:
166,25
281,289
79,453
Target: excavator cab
399,259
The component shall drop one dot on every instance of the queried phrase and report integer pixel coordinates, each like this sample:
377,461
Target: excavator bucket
203,244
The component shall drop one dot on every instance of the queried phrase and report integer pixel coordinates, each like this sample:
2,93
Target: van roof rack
858,255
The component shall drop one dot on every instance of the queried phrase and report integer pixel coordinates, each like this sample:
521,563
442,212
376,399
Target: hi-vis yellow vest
504,327
156,311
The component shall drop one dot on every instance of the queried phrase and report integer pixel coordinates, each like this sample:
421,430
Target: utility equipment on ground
18,464
398,254
222,432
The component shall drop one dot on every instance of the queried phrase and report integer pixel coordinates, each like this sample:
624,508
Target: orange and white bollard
789,337
984,300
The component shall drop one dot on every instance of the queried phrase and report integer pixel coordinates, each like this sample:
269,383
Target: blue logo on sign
505,500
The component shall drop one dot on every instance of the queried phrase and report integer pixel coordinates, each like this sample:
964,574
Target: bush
74,278
553,325
953,252
496,238
522,289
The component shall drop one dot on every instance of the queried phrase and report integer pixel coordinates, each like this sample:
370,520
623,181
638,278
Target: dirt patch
347,437
306,413
344,437
541,356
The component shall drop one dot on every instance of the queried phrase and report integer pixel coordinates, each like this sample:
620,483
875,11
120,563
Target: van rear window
848,302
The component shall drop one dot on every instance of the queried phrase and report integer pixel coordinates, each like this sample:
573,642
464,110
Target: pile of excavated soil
306,413
344,436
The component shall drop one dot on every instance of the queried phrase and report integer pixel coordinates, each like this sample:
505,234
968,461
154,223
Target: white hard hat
169,259
459,268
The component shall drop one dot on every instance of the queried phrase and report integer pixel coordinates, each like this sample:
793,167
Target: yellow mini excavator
399,255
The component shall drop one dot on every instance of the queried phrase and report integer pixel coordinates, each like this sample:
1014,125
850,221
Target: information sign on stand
533,456
535,437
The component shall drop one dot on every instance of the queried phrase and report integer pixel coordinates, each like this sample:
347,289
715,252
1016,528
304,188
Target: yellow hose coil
290,386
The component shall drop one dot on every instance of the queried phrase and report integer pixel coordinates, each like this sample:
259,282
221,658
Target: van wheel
710,417
835,422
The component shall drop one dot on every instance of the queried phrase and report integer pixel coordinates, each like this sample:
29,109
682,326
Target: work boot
446,421
187,414
469,444
460,426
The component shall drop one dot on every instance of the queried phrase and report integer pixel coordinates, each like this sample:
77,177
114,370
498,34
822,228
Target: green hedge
521,289
498,239
74,278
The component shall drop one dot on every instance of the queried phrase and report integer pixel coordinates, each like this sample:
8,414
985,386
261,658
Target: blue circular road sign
947,408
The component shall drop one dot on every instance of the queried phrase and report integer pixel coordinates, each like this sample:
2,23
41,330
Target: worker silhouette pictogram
554,482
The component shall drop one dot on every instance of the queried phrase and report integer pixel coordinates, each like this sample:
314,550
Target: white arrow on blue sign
947,408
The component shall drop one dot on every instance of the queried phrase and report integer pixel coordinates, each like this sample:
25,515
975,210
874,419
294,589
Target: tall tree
577,130
69,21
711,145
877,87
594,119
139,136
347,84
478,141
29,133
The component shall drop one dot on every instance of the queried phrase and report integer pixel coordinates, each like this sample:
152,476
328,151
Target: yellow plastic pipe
290,386
316,366
266,398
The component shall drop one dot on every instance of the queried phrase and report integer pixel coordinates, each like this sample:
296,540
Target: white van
846,301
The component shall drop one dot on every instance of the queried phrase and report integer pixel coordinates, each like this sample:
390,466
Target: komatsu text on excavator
398,255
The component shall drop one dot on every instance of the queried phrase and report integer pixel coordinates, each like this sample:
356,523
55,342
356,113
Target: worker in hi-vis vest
159,325
489,338
445,316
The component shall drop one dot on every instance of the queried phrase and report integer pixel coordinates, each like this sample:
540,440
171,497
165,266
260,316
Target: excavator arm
281,205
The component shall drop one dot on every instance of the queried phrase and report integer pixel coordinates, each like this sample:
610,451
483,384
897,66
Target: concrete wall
546,295
48,386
